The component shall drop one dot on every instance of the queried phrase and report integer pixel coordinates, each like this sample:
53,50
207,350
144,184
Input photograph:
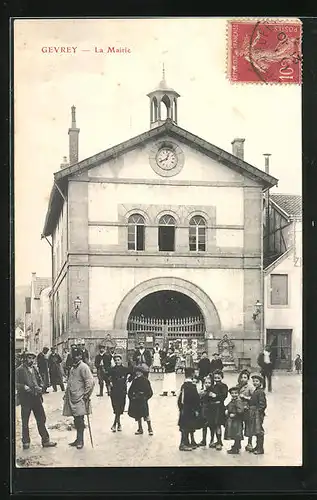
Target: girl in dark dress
216,413
189,410
139,393
118,375
257,407
234,422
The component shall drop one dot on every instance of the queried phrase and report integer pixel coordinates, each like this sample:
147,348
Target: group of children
242,417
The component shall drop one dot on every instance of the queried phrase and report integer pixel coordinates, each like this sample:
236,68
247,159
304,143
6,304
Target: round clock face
166,159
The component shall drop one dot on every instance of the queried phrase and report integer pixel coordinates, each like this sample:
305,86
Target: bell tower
163,103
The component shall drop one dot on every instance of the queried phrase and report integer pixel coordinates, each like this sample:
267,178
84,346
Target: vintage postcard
158,293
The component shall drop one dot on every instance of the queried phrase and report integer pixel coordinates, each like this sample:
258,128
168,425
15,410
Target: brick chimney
73,133
238,148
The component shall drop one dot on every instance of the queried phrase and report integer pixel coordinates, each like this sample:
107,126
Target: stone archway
203,301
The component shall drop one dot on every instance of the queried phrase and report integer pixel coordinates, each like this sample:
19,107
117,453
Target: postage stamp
264,51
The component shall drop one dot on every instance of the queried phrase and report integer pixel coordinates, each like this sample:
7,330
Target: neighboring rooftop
40,284
291,204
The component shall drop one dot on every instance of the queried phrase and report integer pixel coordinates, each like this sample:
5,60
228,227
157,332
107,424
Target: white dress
156,360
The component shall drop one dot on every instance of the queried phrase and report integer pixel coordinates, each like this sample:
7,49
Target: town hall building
159,239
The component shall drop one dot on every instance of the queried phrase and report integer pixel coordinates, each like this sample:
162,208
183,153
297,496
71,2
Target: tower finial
73,116
163,72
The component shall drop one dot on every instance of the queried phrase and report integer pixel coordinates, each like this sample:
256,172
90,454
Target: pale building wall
108,286
135,165
45,319
288,316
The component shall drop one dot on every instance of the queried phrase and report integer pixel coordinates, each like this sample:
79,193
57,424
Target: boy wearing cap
257,406
216,363
80,385
139,393
118,375
29,392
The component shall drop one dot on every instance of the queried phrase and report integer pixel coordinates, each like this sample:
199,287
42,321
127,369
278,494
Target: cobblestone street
283,426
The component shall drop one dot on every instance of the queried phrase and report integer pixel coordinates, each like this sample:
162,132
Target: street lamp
257,310
77,304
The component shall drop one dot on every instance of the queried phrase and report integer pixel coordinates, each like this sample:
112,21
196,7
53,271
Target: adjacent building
283,277
159,238
38,315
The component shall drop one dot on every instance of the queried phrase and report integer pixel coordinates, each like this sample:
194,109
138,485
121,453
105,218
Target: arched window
197,234
136,232
166,234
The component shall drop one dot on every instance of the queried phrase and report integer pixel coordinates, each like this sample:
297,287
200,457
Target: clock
166,159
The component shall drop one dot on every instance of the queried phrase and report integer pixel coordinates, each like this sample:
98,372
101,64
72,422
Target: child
189,410
234,422
216,363
139,393
204,368
298,364
218,393
245,392
207,413
118,390
257,406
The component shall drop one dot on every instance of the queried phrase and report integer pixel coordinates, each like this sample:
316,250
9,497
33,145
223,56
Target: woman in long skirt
157,359
169,380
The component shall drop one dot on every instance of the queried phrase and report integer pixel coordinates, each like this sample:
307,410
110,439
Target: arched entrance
168,318
181,309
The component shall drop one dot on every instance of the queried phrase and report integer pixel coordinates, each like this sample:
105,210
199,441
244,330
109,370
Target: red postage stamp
264,51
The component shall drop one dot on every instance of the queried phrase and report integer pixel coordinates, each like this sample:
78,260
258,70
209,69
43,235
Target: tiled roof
40,284
27,305
289,203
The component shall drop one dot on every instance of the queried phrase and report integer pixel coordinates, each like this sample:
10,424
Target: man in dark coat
42,364
142,356
189,409
118,375
55,370
85,353
265,362
203,367
216,363
103,365
29,393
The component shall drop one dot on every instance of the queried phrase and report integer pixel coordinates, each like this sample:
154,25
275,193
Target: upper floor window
197,234
136,232
166,234
279,289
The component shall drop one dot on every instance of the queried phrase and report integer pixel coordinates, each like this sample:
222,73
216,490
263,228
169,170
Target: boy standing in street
189,410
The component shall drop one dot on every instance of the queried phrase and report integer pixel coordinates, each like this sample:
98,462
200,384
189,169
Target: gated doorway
281,345
167,317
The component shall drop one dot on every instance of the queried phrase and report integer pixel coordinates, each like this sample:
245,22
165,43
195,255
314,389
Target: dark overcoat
257,406
118,378
55,369
140,391
203,367
23,377
42,364
234,425
213,407
189,407
216,364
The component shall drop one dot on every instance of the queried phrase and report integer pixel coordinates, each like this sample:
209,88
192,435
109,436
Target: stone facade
103,273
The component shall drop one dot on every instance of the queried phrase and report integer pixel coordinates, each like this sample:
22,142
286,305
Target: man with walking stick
77,403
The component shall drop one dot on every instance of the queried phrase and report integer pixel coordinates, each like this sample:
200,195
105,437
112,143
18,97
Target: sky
110,95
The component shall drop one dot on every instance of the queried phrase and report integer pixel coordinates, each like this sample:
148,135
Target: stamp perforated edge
252,20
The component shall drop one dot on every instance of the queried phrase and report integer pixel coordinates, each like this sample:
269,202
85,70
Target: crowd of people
201,399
